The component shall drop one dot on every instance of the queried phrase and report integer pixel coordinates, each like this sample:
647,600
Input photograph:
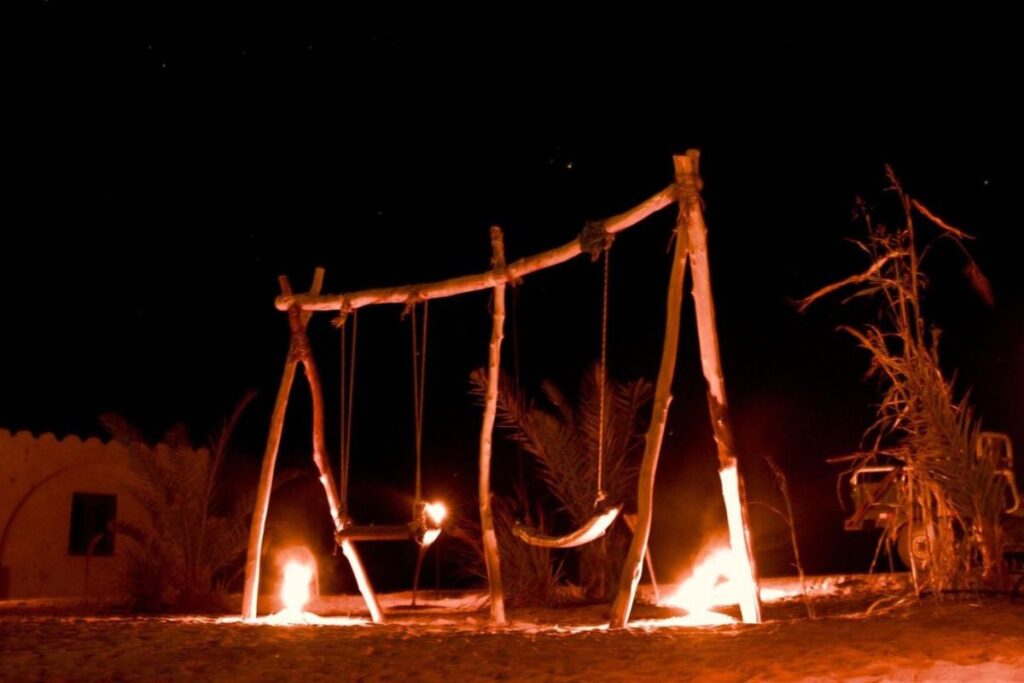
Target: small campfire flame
435,512
297,575
713,583
295,587
717,580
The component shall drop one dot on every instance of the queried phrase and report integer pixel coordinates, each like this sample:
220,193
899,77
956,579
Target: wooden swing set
690,247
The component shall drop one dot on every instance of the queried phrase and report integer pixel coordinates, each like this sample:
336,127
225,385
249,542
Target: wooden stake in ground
250,595
711,365
490,540
633,566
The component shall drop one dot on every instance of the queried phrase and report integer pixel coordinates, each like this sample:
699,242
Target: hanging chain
602,380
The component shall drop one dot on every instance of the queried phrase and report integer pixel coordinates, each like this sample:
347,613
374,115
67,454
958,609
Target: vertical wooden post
250,595
711,364
490,541
633,566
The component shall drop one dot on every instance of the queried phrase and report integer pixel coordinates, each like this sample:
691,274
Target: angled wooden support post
630,521
633,566
711,365
250,595
490,541
299,352
305,355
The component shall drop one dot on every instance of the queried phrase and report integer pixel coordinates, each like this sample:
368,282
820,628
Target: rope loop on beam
344,310
415,297
688,186
595,239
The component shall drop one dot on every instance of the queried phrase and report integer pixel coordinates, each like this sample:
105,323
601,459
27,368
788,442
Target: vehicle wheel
913,544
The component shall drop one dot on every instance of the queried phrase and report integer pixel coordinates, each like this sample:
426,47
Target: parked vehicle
874,493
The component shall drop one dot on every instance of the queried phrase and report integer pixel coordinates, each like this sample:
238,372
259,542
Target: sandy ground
451,640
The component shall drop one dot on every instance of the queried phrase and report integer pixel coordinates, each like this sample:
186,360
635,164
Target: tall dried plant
945,489
562,438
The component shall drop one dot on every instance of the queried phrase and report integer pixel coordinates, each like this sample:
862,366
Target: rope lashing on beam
415,297
595,239
300,349
344,311
689,186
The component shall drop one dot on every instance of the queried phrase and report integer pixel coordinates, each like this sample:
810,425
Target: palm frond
562,438
189,540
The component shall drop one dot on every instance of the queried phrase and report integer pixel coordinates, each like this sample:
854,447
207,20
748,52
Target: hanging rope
602,379
348,385
428,518
343,409
516,378
603,517
419,371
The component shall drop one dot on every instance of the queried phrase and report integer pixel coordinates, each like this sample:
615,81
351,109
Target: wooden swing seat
376,532
424,529
594,529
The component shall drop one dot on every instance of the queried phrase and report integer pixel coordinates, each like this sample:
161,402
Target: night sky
167,160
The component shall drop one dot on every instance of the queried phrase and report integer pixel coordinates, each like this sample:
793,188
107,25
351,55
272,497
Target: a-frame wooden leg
633,567
711,364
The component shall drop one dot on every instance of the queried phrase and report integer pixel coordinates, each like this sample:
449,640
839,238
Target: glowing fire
436,512
723,576
295,587
719,579
712,584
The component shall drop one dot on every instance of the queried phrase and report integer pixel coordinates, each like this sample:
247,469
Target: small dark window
90,514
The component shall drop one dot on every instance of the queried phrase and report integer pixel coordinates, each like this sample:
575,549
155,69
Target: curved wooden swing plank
594,529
